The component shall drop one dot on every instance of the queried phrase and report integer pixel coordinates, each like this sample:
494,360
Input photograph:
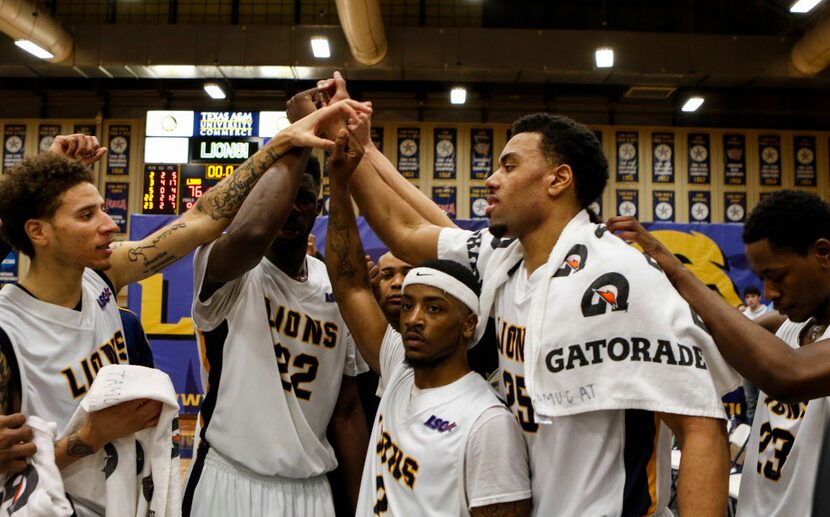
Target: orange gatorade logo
609,290
574,261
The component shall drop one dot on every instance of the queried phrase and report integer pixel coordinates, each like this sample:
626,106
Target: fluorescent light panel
804,6
215,91
320,47
604,57
34,49
692,104
458,95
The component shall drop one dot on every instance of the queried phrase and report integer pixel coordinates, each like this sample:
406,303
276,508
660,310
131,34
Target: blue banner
118,150
116,196
478,202
445,198
805,161
769,152
662,157
627,156
700,206
14,144
699,170
46,134
734,160
481,153
628,202
734,207
326,196
444,156
85,129
409,158
8,268
663,203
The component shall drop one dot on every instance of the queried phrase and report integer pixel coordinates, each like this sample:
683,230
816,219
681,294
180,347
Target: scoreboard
173,189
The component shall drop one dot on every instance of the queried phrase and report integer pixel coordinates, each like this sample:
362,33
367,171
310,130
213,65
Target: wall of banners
653,170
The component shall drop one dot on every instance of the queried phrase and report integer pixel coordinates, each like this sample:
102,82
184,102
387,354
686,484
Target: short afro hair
566,141
752,289
790,220
33,189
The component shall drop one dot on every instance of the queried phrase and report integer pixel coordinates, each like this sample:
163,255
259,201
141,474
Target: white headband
444,282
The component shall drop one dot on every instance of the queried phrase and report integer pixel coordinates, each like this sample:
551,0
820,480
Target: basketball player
442,443
64,308
278,356
551,169
787,238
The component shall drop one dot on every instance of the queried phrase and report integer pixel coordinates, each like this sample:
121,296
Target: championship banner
444,154
376,134
700,203
769,154
628,202
84,129
118,150
662,162
445,198
734,160
409,159
326,196
46,134
481,153
699,170
663,203
627,159
596,206
478,202
116,196
805,161
14,144
764,195
8,269
734,204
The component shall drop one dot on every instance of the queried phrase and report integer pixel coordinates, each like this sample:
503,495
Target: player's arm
511,509
256,225
105,426
15,436
409,193
784,373
350,437
703,478
134,261
345,258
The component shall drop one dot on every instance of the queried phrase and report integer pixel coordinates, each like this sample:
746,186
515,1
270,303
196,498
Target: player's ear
469,327
821,248
559,178
38,231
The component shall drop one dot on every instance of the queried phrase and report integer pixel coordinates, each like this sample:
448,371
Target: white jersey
59,350
611,463
422,459
782,457
274,351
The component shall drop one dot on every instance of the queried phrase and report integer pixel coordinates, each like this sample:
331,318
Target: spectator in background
754,310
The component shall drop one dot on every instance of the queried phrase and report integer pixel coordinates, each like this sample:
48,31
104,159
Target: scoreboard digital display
161,189
198,179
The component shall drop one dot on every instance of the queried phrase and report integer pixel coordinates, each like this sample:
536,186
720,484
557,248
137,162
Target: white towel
135,475
608,331
38,490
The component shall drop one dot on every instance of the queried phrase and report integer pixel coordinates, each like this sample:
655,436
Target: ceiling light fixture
604,57
320,47
692,104
804,6
458,95
215,91
34,49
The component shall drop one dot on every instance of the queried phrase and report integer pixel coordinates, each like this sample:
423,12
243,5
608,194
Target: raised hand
302,104
629,229
333,90
78,147
347,152
306,132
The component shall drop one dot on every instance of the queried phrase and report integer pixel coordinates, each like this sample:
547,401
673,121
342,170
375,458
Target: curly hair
32,189
566,141
790,220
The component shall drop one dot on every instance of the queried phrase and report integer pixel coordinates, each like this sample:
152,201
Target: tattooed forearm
344,241
76,448
224,200
152,257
